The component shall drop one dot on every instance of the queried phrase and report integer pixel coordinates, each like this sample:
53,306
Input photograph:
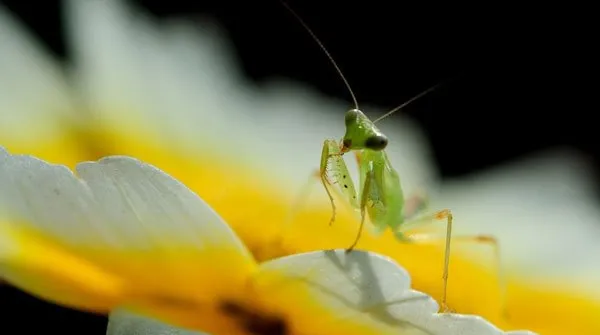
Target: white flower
169,95
125,234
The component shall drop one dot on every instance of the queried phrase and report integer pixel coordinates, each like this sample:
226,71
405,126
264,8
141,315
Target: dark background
522,79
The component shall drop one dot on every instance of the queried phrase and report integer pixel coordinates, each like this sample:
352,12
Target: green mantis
380,195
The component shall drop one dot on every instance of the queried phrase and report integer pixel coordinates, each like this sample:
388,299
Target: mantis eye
376,142
351,117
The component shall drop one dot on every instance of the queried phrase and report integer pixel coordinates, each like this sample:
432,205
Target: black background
523,79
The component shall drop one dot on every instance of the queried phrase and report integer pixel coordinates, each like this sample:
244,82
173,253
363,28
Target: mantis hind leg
441,215
479,239
493,243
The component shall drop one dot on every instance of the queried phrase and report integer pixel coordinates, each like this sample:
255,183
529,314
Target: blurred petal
140,79
36,106
176,88
549,202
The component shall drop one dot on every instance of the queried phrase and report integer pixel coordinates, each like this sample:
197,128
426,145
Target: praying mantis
380,194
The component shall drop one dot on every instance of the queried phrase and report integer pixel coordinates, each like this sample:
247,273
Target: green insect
380,196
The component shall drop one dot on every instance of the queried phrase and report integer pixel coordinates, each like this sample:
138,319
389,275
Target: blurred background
517,78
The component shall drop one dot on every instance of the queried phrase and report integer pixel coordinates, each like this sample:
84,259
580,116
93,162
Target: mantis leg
323,177
335,178
363,205
479,239
441,215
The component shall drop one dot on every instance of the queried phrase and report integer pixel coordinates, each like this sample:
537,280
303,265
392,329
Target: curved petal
354,293
121,218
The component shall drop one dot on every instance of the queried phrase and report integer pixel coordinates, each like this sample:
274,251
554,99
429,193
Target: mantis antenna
420,95
337,68
341,74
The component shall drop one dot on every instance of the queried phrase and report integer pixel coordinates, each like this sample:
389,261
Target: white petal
466,325
121,322
358,286
34,96
127,323
367,286
122,214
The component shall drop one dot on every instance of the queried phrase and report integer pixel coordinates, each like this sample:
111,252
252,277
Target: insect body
380,195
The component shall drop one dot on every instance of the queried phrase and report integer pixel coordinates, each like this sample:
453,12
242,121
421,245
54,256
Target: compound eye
377,142
351,117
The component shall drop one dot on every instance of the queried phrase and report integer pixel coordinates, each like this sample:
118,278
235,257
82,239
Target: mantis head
361,133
